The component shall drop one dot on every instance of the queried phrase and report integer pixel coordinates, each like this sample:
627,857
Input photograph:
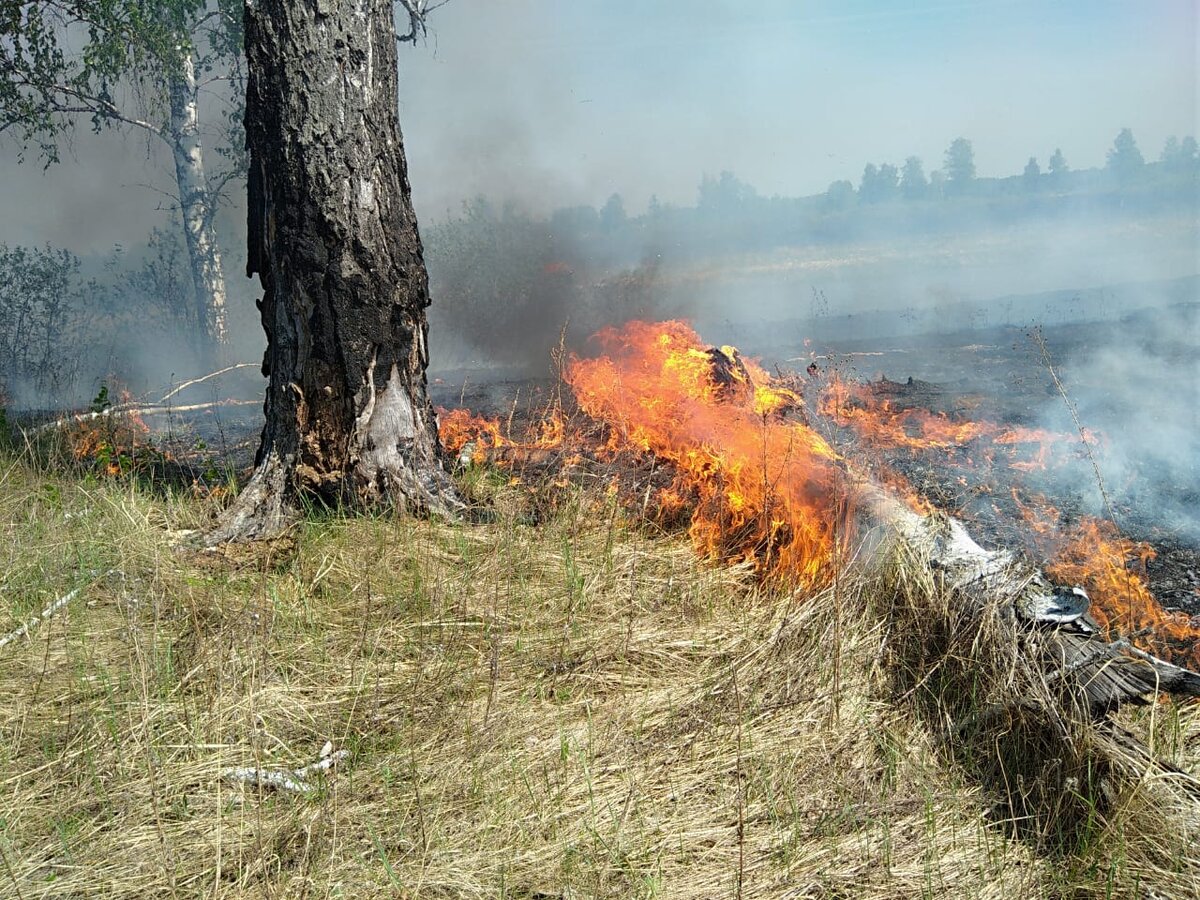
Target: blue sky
564,101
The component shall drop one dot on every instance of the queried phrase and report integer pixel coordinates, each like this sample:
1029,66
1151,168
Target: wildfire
459,430
878,423
758,485
110,443
482,439
763,487
1112,569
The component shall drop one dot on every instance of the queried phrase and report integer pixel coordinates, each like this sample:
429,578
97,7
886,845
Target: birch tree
333,239
138,65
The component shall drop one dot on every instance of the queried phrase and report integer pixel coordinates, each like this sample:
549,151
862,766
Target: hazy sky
563,101
558,102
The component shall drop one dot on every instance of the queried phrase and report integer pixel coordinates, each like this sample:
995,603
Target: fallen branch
134,409
191,407
294,780
46,613
187,384
80,418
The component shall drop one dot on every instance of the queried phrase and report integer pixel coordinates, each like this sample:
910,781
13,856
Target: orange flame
108,441
460,428
1112,569
763,488
879,424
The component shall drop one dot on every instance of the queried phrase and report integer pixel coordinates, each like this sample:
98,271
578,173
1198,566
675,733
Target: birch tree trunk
333,239
197,206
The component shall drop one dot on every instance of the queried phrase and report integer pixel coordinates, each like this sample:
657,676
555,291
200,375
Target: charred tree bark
333,239
196,205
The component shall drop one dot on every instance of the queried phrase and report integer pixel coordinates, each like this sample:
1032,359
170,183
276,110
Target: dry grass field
575,709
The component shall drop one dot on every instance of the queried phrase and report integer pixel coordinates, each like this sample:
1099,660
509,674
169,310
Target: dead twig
417,11
50,610
1040,340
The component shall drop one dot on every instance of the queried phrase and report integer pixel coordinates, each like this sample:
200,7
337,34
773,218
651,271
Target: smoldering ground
1138,386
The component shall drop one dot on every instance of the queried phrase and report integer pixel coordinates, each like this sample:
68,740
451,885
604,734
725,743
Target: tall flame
764,487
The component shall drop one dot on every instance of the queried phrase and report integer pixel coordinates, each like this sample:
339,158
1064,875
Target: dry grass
1063,783
569,710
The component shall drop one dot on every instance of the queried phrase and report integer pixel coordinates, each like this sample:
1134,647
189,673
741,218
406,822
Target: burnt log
1014,681
1050,623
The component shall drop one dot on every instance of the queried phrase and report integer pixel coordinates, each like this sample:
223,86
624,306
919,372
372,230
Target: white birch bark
196,205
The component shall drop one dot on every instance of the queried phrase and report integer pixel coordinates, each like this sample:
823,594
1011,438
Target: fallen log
1047,625
1057,635
1017,683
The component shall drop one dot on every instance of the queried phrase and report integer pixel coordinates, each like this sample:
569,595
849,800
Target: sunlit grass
568,709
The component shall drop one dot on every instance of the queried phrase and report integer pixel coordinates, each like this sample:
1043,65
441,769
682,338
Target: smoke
125,319
1138,385
506,282
560,105
542,106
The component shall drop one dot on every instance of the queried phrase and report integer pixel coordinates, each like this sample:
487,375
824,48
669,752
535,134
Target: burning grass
1090,552
880,423
756,486
753,474
568,710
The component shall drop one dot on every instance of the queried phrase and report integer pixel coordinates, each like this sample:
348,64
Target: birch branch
294,780
50,610
133,409
99,105
187,384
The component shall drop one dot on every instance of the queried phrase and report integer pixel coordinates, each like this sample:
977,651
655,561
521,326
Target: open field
577,709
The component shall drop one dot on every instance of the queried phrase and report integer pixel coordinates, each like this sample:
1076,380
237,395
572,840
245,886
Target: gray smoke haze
541,106
1138,385
555,104
558,104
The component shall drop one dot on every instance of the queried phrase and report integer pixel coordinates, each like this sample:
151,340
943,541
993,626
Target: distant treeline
505,281
730,215
504,278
